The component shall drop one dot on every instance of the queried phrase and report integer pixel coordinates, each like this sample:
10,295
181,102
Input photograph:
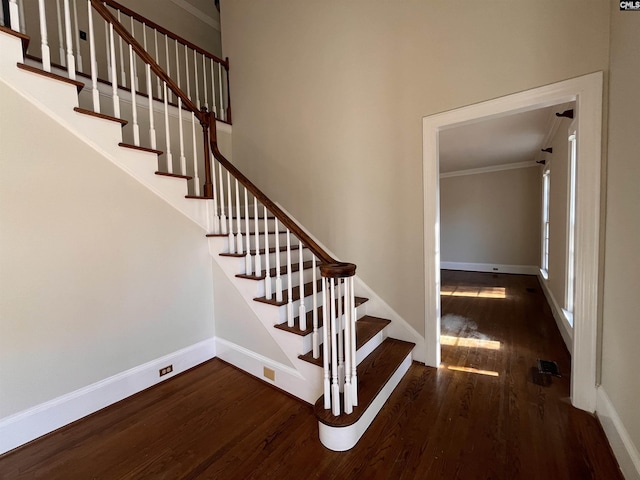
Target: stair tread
251,233
298,331
84,111
39,71
295,267
24,38
253,252
366,328
295,294
173,175
142,149
373,373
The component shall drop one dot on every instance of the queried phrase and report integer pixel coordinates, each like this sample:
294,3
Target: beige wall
621,323
97,274
328,99
491,217
558,197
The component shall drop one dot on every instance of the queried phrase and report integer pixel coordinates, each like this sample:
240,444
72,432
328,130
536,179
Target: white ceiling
505,140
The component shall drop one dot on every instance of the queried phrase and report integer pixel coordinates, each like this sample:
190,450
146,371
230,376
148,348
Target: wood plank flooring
216,422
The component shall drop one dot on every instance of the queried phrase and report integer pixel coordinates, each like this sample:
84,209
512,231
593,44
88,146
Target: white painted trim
491,267
489,169
566,331
25,426
199,14
340,439
586,91
623,448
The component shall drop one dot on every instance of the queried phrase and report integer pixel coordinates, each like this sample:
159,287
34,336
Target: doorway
586,92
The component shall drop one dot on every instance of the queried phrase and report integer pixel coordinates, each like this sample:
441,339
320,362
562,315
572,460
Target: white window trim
544,232
570,280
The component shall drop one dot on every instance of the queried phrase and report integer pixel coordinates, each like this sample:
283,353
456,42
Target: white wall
621,323
328,99
97,274
491,217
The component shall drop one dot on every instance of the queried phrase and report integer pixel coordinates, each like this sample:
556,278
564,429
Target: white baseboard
25,426
561,321
490,267
285,378
623,448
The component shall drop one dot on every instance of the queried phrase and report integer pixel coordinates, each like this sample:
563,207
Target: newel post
339,336
205,121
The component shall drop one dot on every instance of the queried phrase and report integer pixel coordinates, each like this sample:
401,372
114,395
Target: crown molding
199,14
490,169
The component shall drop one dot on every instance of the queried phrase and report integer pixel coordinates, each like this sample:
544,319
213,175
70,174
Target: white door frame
586,91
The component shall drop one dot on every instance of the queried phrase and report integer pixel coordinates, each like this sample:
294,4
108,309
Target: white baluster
354,366
186,72
167,133
44,43
123,75
134,106
166,54
63,60
221,114
152,130
340,333
195,78
22,18
71,71
348,405
302,311
14,15
239,245
114,83
248,268
216,199
204,80
326,334
289,283
77,32
183,160
232,240
223,217
95,93
267,268
108,46
134,67
2,15
314,336
335,386
278,276
256,224
155,40
196,168
213,91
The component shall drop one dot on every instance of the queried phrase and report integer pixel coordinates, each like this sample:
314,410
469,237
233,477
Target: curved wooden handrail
142,53
163,30
334,268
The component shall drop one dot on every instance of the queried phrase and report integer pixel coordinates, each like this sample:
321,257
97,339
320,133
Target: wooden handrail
163,30
142,53
340,269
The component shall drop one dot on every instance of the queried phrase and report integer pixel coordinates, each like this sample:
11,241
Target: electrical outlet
165,370
495,269
270,374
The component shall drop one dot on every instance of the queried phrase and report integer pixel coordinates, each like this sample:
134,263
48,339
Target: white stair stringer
58,99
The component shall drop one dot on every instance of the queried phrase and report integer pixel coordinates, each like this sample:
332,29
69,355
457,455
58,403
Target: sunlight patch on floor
489,373
469,342
474,292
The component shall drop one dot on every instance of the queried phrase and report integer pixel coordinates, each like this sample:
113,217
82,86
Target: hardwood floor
489,420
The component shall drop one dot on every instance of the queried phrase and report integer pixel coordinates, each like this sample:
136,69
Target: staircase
344,362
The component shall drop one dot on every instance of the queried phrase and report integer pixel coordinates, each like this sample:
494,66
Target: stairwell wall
98,275
329,97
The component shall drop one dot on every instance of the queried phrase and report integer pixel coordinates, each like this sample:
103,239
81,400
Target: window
571,222
546,179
